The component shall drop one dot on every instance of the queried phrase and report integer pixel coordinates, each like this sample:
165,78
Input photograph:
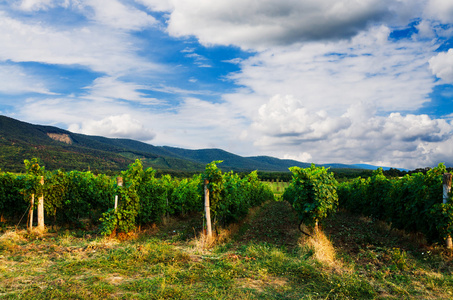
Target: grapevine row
72,197
413,202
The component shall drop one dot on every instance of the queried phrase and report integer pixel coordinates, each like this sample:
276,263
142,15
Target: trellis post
30,213
207,209
119,182
41,209
446,191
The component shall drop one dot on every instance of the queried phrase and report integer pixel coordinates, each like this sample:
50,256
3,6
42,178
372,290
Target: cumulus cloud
442,65
199,124
357,136
333,76
441,10
287,118
256,25
119,126
323,82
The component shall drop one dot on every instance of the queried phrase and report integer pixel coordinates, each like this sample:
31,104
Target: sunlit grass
242,262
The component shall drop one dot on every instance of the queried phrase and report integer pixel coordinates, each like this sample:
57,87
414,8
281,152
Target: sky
323,81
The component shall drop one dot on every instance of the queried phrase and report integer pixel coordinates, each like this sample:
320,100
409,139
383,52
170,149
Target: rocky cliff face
65,138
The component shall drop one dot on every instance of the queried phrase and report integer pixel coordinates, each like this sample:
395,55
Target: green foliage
55,192
152,198
86,196
12,204
412,202
215,184
76,197
32,167
231,196
185,196
123,218
312,193
34,172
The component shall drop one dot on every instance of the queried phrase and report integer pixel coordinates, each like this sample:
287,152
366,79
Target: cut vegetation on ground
264,257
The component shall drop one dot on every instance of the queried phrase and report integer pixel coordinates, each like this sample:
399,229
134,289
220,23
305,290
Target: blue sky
319,81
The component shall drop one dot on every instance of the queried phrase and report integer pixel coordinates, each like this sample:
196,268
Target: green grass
264,257
277,187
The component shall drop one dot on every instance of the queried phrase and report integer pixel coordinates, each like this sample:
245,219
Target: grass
277,187
264,257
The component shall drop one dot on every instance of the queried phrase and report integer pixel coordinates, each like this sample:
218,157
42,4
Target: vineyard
140,236
80,198
413,202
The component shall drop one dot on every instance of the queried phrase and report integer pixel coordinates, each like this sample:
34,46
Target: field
263,257
277,187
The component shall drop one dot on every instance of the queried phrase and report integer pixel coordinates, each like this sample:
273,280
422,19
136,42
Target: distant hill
61,149
371,167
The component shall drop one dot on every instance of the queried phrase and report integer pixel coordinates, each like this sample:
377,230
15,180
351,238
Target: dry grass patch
323,250
13,236
115,279
259,284
202,243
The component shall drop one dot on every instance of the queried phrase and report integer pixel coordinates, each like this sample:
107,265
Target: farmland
257,251
263,257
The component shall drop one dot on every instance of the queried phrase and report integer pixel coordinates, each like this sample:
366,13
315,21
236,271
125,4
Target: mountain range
61,149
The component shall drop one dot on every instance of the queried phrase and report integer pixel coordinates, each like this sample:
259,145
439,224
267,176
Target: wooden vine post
207,209
446,191
41,209
30,213
119,182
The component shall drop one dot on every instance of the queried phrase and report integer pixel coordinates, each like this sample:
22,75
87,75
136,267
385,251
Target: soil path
275,223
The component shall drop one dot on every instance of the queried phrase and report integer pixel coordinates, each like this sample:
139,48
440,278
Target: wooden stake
316,228
446,191
41,210
207,209
119,182
30,213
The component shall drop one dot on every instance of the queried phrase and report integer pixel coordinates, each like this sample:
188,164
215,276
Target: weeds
263,258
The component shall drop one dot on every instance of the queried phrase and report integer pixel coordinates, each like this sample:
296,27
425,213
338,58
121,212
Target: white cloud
257,25
102,51
333,76
183,92
441,10
193,124
112,13
325,84
302,157
31,5
118,126
157,5
199,124
442,65
286,117
15,80
357,136
117,15
110,88
62,110
199,60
